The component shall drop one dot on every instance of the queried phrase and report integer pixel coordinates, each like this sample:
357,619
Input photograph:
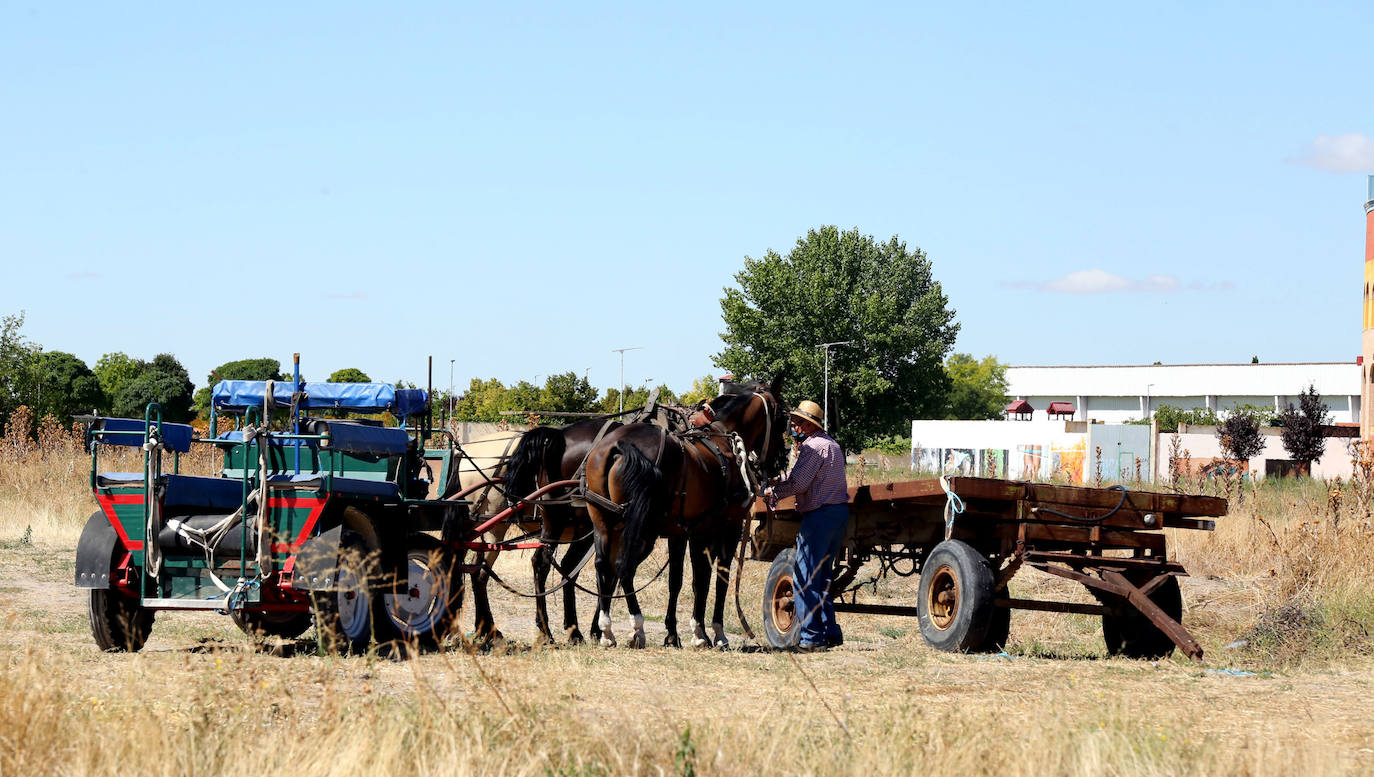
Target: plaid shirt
817,479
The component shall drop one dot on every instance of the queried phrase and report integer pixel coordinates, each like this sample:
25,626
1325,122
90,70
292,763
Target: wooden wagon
967,537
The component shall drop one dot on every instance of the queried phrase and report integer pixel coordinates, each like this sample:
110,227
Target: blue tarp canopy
359,397
131,431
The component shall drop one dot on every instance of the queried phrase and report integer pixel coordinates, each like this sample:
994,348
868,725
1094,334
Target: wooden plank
1084,535
927,491
1085,496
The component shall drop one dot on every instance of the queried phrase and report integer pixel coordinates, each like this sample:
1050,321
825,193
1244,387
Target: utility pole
448,403
621,389
825,422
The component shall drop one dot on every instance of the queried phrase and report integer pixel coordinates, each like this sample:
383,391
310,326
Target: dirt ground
1056,668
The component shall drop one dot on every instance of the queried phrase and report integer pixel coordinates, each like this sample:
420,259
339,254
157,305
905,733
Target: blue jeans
818,543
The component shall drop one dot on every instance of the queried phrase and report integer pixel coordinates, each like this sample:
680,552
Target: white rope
953,506
264,510
152,506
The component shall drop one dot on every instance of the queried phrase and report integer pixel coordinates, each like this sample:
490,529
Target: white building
1117,394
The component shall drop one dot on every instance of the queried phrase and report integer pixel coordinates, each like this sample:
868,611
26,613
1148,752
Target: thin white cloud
1099,281
353,295
1349,153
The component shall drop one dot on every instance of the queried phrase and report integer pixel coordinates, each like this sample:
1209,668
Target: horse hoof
699,642
722,644
544,640
672,641
637,642
607,640
575,637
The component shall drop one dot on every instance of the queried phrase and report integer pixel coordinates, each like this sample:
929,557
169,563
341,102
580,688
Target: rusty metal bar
1042,606
1162,620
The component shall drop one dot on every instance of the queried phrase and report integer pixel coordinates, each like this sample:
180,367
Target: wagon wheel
955,600
119,622
424,606
286,624
345,616
1133,635
781,626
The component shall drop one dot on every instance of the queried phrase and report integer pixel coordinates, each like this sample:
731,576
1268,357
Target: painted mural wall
1015,450
1077,452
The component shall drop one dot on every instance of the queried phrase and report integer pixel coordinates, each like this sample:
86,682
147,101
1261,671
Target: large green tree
163,380
114,370
16,355
703,388
349,375
567,393
239,369
977,387
833,286
61,385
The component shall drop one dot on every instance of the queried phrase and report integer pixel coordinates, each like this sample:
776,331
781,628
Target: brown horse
545,455
643,483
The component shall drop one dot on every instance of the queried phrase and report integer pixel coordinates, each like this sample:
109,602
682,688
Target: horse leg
576,551
701,584
484,624
605,588
677,552
724,555
627,585
542,563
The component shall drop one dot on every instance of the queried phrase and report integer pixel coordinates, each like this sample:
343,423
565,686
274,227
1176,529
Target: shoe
807,647
834,641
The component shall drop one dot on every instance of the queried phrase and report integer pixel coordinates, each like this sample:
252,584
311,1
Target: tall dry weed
45,490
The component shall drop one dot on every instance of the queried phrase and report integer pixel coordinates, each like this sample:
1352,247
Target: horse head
757,413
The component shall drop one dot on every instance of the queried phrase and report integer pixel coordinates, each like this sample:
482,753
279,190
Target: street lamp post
825,422
448,403
621,389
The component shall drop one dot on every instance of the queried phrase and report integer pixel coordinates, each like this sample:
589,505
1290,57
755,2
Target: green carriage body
330,484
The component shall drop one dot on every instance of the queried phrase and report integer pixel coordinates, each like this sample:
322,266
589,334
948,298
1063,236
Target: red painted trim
107,503
316,506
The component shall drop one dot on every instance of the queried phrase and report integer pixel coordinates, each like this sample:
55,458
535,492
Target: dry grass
1287,573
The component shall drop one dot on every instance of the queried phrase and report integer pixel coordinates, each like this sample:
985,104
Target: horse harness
705,429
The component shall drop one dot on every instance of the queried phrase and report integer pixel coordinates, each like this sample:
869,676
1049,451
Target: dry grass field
1280,597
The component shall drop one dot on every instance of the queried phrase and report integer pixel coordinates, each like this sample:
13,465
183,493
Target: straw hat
809,411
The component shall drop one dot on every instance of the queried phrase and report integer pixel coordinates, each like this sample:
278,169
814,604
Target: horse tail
536,447
642,480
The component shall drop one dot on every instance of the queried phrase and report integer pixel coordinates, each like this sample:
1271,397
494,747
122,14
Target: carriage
966,538
331,519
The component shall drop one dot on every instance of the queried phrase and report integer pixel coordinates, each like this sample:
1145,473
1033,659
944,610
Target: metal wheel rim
784,605
942,599
352,604
417,609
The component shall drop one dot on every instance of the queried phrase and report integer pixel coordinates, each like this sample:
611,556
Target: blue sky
524,189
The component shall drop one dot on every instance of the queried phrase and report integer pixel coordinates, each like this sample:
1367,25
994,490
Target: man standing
817,480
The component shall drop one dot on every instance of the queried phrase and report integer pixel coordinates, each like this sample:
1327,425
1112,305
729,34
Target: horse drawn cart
967,537
330,519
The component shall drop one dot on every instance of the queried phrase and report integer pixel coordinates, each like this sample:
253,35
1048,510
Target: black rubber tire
118,622
1132,635
954,601
999,628
272,623
345,618
781,626
424,608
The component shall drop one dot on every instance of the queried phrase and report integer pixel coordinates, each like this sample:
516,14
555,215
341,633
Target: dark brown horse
643,483
545,455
